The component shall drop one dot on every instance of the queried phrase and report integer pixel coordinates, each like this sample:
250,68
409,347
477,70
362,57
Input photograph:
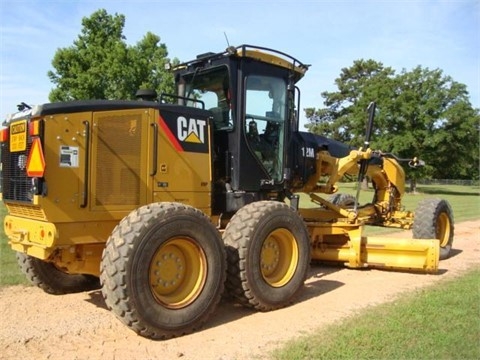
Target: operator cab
250,92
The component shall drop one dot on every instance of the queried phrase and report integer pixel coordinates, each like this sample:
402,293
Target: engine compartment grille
16,185
117,159
32,212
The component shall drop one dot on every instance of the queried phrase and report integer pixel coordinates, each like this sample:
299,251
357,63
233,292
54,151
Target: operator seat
220,117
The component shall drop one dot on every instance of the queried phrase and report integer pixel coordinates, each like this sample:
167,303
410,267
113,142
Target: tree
150,70
344,117
421,113
100,65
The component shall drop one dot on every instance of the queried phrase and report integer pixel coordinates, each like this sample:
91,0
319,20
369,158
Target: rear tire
52,280
268,252
434,220
163,270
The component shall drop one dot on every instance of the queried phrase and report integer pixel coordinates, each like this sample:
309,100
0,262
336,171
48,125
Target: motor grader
165,201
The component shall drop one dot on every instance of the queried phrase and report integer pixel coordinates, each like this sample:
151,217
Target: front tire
434,220
53,281
163,270
268,252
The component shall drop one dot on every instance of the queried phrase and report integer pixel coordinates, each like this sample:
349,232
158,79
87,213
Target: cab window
265,121
212,88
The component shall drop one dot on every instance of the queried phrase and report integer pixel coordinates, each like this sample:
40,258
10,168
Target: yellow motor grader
165,201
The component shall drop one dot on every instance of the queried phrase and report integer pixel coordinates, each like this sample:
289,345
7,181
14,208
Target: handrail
155,149
178,97
84,202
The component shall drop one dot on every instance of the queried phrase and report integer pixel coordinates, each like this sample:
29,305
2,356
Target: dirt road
35,325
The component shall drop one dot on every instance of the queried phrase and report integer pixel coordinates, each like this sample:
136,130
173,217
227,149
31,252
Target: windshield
212,88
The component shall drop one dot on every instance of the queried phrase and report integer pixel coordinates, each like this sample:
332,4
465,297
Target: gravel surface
36,325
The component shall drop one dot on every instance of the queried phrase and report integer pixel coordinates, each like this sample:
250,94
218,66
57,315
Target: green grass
441,322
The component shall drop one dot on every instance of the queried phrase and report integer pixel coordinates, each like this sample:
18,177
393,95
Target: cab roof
262,54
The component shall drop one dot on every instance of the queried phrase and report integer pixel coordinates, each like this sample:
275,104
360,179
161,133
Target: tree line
420,112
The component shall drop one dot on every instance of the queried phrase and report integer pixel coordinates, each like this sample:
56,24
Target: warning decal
69,156
18,136
36,161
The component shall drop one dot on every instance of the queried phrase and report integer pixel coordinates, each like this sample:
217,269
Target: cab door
262,148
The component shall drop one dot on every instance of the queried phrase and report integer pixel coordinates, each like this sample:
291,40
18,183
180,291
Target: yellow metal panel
35,251
395,174
408,254
40,238
85,232
122,188
30,232
120,147
65,180
342,242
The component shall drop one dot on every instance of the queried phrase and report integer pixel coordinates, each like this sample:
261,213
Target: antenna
226,38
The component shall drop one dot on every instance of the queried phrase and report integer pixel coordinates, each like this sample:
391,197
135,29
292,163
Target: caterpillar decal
185,133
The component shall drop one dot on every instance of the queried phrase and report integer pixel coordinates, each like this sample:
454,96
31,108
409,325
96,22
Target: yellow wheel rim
279,257
443,229
177,272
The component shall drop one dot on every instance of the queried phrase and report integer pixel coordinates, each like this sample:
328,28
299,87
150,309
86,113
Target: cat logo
191,130
185,133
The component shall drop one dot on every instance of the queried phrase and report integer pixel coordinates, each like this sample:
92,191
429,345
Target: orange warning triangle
36,161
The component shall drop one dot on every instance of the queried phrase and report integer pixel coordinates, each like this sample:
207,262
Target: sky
328,35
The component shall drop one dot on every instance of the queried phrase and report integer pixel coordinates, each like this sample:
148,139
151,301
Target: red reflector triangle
36,161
